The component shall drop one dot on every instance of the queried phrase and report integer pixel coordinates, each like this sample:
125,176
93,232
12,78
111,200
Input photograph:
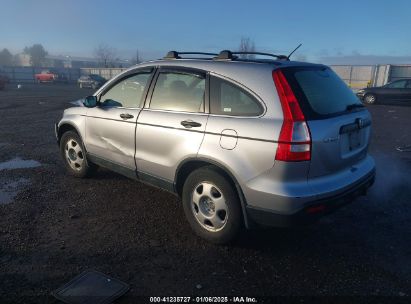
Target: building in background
22,60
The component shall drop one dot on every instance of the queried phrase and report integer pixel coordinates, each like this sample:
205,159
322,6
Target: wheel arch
65,127
189,165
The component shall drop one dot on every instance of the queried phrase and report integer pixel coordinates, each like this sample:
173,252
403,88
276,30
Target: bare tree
246,45
137,58
37,54
6,58
105,54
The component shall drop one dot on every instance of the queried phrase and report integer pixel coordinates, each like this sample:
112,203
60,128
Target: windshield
97,77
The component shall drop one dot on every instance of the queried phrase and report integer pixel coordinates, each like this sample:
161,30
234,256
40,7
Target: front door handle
126,116
190,124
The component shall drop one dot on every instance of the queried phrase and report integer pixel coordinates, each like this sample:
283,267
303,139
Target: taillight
294,143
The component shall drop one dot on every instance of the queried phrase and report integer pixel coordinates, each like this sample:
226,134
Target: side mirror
90,101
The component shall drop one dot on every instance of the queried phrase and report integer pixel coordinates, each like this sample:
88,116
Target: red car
3,80
50,76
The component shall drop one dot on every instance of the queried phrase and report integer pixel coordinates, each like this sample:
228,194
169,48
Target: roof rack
176,55
228,55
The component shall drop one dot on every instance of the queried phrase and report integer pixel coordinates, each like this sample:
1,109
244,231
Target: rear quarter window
320,90
227,98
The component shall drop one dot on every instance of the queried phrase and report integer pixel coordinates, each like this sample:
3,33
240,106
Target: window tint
325,92
128,93
179,92
229,99
400,84
96,77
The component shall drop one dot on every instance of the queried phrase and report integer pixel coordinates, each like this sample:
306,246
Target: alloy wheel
209,206
74,154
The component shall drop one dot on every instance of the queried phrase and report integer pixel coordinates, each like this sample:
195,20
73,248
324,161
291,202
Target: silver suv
242,142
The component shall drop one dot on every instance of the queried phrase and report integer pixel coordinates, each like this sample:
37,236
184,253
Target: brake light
294,143
315,209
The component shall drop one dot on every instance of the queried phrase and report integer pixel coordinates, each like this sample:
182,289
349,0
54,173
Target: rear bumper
313,210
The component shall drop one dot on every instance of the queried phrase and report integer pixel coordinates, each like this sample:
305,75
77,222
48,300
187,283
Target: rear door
171,126
339,124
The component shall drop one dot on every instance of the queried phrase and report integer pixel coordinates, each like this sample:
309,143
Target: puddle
18,163
9,189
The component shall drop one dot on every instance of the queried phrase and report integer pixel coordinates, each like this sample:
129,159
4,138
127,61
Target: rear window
322,91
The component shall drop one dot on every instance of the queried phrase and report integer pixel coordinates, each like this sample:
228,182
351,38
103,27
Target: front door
111,126
171,126
395,91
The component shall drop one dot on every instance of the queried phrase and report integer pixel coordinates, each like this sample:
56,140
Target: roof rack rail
228,55
176,55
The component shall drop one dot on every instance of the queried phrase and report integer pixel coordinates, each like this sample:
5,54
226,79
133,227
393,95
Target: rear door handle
126,116
190,124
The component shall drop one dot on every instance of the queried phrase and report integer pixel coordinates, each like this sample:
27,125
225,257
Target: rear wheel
211,206
74,156
370,99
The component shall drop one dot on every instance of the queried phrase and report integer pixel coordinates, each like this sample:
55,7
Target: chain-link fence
400,72
26,74
356,76
361,76
106,73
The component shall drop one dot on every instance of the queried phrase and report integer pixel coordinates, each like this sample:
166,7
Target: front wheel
370,99
74,156
211,206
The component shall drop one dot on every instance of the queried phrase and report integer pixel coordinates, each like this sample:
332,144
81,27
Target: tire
73,153
370,99
212,206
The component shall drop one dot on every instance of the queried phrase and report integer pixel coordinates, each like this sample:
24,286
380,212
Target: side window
127,93
179,91
229,99
400,84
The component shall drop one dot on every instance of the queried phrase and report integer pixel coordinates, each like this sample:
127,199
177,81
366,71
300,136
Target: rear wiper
354,106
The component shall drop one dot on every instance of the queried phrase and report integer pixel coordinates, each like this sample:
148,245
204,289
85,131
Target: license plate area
354,140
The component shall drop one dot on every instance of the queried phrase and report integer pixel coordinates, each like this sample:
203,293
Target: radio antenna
294,51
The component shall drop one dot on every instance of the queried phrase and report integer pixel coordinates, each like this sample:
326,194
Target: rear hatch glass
338,122
321,91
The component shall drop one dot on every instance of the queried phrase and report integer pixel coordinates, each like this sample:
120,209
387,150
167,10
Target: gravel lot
57,226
